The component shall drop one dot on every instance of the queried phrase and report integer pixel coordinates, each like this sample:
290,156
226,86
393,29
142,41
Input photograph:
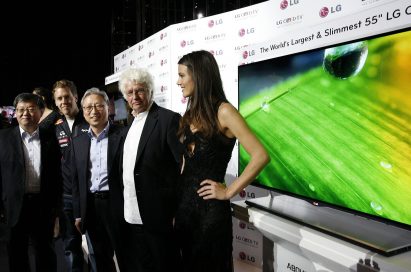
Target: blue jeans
73,252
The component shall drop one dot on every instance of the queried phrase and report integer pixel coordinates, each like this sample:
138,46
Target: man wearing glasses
94,168
30,186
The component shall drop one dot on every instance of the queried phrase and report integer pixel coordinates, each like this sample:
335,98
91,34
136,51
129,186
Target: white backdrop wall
266,30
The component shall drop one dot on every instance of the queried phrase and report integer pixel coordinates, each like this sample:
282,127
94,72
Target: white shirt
32,160
70,123
131,209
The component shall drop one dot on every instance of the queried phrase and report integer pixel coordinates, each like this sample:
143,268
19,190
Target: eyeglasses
140,92
98,107
22,110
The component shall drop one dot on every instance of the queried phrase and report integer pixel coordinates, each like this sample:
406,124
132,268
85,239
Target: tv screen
336,122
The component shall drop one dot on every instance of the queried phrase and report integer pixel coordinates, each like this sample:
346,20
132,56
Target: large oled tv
337,124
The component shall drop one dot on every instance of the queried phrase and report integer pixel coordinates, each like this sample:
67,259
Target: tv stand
380,237
288,243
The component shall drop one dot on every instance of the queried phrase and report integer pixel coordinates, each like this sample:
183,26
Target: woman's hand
212,190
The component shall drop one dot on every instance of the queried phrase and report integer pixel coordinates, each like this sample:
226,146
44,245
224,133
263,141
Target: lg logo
163,35
218,52
185,43
243,225
247,54
243,31
324,11
212,23
285,3
246,257
244,194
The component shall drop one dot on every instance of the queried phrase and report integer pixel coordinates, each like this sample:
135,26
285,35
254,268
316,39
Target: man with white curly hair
150,170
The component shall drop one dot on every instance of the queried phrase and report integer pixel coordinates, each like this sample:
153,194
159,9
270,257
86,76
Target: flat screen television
336,122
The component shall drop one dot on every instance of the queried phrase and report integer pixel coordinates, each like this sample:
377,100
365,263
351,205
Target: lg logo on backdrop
217,52
183,43
163,88
244,194
324,11
163,35
244,31
212,23
243,225
246,257
247,54
285,3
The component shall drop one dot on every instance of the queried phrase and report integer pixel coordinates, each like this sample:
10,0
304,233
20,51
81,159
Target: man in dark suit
150,170
71,124
93,162
30,186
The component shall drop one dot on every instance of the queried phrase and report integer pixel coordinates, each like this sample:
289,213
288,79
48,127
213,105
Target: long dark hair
208,94
47,97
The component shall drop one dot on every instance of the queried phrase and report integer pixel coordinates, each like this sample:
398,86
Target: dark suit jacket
157,169
12,174
79,163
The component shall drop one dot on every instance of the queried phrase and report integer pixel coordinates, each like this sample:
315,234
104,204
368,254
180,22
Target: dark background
45,41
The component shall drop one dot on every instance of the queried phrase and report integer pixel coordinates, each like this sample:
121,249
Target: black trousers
105,233
73,252
152,252
34,230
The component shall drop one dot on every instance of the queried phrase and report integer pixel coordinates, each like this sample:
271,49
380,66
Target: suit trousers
73,252
105,233
34,230
152,252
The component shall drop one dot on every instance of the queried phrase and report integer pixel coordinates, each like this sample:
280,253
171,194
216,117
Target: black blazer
157,169
79,162
12,174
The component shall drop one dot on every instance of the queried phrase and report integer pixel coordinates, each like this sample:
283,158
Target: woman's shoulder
226,110
227,117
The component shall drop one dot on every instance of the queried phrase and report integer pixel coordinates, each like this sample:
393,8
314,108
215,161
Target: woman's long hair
47,97
208,93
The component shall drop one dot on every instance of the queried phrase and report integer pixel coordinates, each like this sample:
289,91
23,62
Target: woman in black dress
209,129
50,114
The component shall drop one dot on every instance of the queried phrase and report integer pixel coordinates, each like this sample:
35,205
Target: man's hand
78,224
56,228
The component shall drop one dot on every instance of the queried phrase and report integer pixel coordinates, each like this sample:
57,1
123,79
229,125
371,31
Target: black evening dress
204,227
50,120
